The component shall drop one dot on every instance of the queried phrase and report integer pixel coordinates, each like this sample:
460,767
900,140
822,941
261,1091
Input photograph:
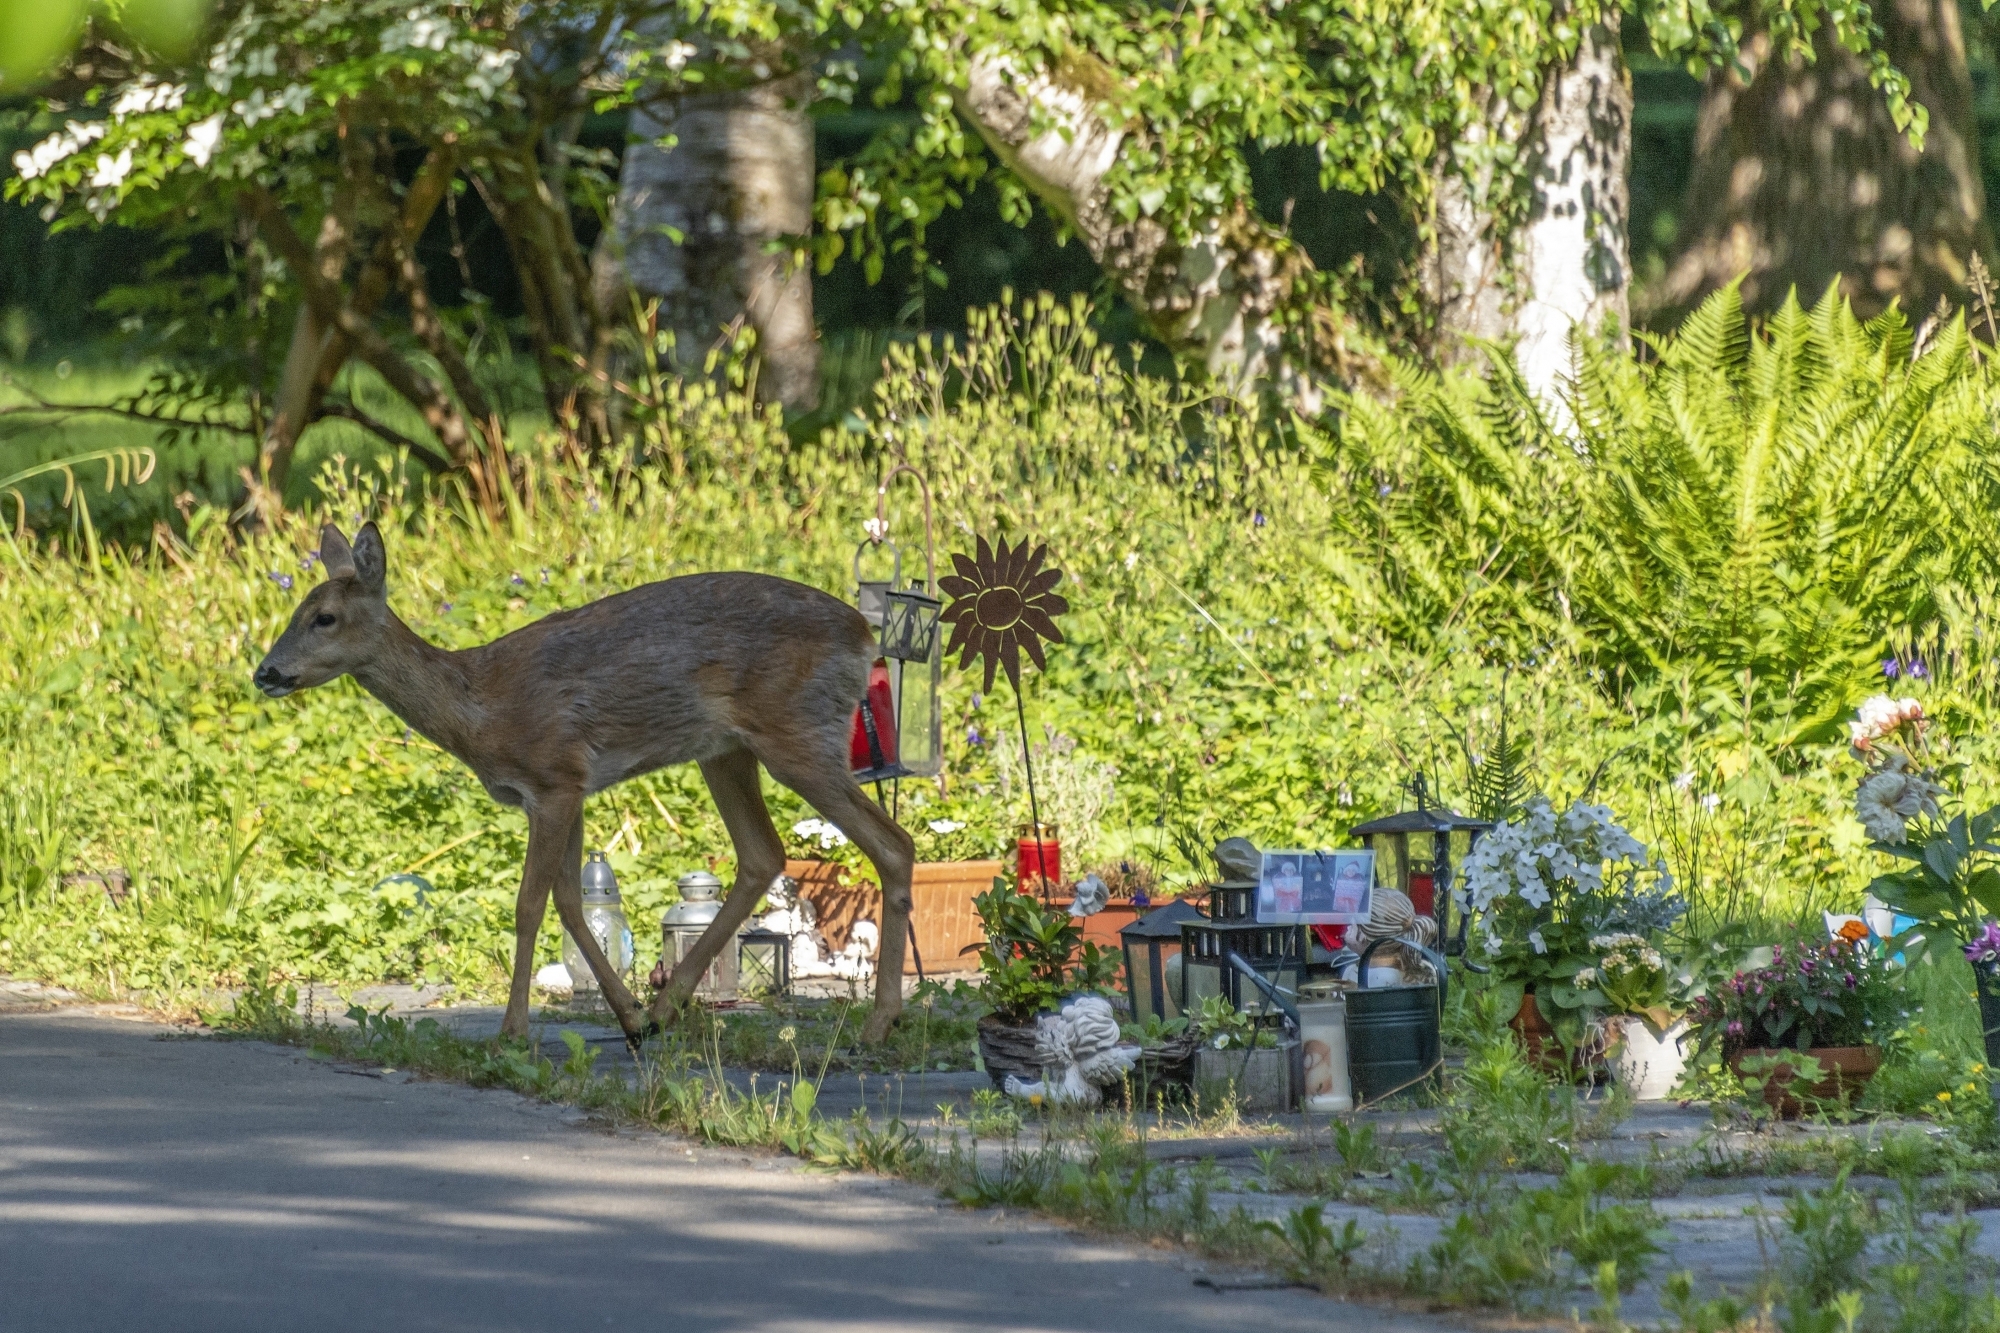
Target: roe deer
726,670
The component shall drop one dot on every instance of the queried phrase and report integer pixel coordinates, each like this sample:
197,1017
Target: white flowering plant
1632,977
1951,877
1546,888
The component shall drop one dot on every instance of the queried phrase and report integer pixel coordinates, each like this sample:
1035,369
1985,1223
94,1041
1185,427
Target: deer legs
529,905
839,798
565,876
760,858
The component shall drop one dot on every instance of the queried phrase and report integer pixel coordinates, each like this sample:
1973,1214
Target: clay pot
1848,1070
1545,1050
941,894
1538,1037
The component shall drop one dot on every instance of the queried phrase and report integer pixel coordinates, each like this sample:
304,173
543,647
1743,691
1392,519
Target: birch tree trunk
1236,299
1566,265
738,181
1800,177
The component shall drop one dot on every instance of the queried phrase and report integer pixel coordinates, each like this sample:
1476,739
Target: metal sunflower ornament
1002,601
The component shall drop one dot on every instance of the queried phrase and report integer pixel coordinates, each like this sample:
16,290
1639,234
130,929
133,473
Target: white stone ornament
1079,1052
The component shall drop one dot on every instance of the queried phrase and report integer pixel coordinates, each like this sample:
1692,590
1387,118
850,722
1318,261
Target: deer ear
371,562
334,552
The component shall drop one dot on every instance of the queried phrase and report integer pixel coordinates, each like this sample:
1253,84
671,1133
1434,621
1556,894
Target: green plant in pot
1644,1026
1546,886
1829,1003
1033,959
1950,879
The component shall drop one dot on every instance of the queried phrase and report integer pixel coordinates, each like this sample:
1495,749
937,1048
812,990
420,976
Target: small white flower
946,826
675,55
203,137
1132,563
111,171
1586,978
875,529
1711,803
58,147
1683,781
1535,938
261,63
142,97
254,108
294,98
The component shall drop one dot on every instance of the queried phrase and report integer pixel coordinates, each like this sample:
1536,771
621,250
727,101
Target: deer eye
322,620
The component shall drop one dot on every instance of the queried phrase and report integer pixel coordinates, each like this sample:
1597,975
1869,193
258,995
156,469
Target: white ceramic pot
1643,1059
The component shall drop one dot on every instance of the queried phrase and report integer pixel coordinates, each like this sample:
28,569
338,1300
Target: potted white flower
1644,1031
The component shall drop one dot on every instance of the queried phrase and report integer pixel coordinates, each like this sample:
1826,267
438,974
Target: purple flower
545,576
1917,669
1257,518
977,698
1735,1029
282,580
1891,668
518,581
447,608
307,561
972,736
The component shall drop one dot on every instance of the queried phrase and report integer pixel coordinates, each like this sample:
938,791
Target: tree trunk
1237,299
1800,178
1566,264
738,181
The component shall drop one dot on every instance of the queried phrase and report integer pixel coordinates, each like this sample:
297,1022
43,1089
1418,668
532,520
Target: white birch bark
1216,300
739,180
1566,266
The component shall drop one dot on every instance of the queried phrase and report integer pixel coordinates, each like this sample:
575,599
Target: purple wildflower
1891,668
447,608
972,736
1917,669
1257,518
282,580
518,581
308,560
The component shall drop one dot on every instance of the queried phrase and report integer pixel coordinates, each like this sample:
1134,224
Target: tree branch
439,412
423,453
1239,298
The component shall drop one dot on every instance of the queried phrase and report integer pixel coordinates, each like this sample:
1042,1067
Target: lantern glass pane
762,965
1198,982
910,625
919,719
1140,961
1392,860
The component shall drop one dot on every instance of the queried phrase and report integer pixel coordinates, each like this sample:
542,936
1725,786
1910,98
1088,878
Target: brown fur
723,670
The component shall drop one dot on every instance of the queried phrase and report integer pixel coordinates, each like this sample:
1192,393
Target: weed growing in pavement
1518,1248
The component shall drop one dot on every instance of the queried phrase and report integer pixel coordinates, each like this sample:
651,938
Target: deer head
338,627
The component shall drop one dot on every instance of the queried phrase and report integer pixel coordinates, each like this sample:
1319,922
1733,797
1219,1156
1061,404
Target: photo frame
1315,888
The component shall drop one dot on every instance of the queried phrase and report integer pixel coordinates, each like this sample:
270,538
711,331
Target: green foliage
1035,956
1522,1247
1746,518
1220,1024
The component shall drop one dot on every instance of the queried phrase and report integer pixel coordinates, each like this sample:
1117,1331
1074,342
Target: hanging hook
878,531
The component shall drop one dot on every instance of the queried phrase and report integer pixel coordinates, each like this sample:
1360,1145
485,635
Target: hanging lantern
1421,852
604,918
764,962
1152,946
899,728
685,922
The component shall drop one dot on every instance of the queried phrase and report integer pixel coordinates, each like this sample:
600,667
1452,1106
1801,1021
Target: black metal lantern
899,728
764,962
1152,945
1421,852
1209,950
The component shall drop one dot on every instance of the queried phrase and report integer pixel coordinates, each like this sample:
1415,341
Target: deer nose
273,681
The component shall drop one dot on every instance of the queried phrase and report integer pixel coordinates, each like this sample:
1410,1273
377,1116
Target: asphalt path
154,1181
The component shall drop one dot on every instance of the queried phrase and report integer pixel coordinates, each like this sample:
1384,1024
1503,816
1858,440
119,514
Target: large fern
1743,509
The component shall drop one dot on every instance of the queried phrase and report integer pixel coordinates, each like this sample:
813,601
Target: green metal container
1393,1044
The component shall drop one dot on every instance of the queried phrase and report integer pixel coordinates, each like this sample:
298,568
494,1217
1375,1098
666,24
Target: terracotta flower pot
1102,928
941,894
1545,1050
1848,1069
